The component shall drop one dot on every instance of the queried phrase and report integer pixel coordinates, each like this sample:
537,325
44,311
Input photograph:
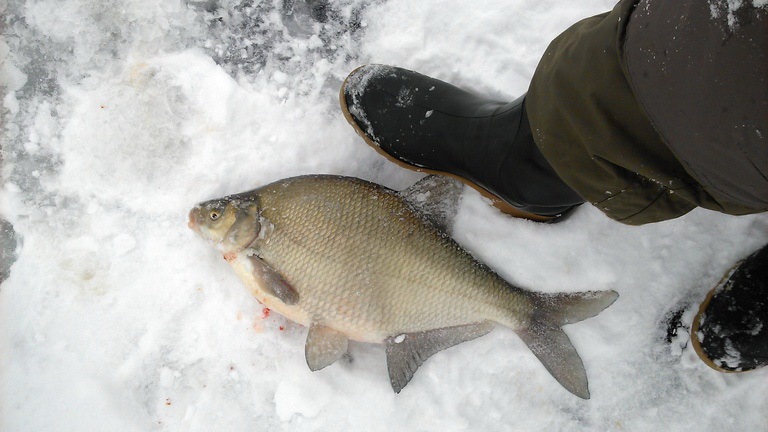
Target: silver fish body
353,260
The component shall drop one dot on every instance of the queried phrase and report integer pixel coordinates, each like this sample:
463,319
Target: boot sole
697,323
497,202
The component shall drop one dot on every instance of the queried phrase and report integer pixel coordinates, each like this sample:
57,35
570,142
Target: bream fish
353,260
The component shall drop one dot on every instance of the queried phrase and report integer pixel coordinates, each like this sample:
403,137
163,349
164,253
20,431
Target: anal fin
407,351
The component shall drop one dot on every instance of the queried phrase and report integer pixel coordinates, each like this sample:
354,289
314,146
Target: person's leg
596,137
664,105
592,141
700,79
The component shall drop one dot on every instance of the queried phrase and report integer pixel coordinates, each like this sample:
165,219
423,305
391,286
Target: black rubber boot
428,125
730,332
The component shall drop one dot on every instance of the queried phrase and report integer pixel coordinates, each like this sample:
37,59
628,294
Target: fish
352,260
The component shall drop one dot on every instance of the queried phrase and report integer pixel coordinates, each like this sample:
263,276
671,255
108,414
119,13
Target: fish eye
214,214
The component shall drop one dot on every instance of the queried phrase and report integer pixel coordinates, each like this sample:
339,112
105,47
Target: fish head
231,223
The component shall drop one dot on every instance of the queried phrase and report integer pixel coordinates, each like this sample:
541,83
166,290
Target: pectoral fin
406,352
324,346
273,282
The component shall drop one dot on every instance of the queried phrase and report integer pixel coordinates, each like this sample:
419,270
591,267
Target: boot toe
730,332
353,97
388,106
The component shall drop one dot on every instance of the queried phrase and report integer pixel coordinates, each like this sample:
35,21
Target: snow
718,7
118,117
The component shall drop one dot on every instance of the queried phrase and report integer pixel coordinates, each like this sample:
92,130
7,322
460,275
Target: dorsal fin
437,198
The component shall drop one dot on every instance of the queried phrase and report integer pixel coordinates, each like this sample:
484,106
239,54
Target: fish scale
353,260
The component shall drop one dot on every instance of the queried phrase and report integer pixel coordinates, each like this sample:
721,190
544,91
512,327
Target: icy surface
117,117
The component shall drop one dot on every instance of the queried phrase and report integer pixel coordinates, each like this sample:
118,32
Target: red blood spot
281,328
265,313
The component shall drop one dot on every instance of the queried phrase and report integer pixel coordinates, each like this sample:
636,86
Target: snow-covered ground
117,117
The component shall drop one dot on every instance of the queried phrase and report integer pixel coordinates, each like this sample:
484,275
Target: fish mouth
192,221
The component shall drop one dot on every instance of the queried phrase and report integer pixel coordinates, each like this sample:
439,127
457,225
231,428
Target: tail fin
549,342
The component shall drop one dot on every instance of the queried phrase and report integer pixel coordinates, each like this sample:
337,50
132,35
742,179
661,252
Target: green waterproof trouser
588,123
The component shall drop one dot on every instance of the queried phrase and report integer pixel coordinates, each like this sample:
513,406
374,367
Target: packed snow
118,117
